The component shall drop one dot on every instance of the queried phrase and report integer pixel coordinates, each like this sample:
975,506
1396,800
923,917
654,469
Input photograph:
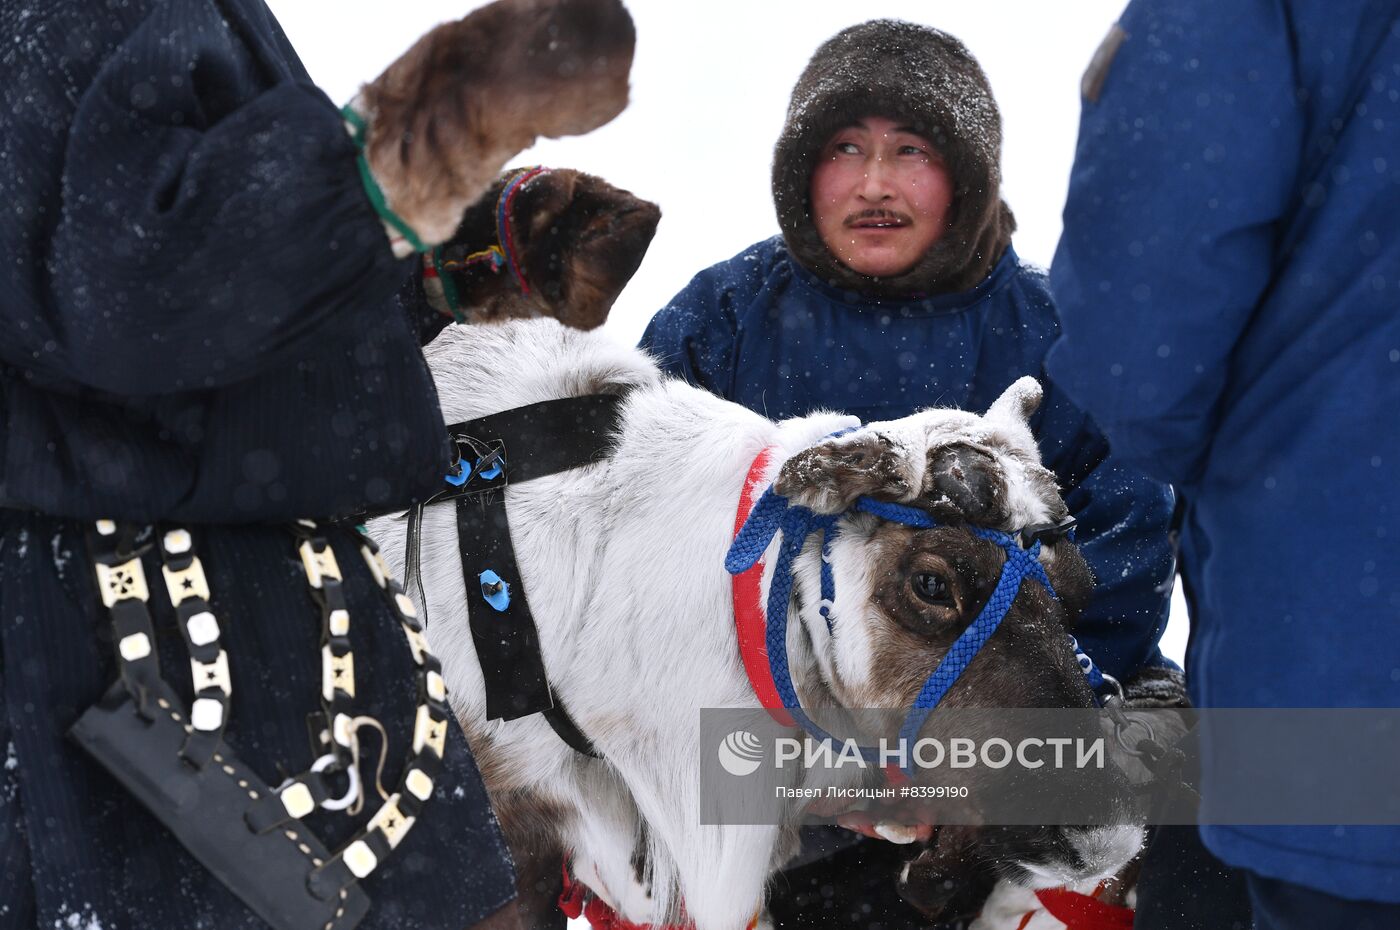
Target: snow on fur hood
928,78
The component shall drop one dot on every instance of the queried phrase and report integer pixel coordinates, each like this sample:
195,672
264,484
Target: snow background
710,87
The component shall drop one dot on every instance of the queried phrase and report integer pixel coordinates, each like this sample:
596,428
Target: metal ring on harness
352,771
1121,728
1113,705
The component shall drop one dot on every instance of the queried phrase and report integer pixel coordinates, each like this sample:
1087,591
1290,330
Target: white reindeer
623,562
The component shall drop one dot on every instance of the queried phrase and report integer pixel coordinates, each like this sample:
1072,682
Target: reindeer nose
1105,850
971,480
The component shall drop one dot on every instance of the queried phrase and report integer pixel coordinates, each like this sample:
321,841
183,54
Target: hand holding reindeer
443,120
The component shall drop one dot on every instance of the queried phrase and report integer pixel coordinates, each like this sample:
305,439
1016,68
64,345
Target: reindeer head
904,594
573,241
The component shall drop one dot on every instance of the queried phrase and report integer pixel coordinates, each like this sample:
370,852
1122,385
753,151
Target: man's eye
912,150
846,148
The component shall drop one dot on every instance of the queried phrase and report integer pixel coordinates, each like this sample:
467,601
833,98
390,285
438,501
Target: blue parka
762,331
1229,283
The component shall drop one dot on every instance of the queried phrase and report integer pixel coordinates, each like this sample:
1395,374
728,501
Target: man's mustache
903,219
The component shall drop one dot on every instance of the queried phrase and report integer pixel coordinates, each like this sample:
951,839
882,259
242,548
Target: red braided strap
1081,912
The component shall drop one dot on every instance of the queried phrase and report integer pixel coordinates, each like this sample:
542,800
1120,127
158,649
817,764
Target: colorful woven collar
500,254
505,233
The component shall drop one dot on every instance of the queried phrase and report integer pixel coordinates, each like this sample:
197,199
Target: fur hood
926,77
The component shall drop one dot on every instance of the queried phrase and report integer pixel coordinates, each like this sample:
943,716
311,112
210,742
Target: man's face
880,196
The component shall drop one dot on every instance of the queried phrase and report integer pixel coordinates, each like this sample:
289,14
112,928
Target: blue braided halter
774,513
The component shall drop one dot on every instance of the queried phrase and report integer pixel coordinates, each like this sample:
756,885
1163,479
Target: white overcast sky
710,84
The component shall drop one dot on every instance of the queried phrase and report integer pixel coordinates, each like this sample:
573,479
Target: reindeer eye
932,588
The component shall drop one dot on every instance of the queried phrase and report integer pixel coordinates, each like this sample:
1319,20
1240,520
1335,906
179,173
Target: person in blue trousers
1229,291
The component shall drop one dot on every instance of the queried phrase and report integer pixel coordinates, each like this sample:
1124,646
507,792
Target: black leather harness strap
548,437
507,644
506,448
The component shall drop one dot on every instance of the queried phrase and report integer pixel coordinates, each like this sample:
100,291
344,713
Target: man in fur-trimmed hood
927,79
893,287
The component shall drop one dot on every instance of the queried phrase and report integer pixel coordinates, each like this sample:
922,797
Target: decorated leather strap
189,595
126,594
121,582
175,763
389,825
334,736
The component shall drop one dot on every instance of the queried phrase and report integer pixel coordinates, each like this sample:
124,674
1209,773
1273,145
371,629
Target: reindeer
623,561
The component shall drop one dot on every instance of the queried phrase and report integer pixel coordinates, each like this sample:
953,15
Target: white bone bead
360,859
206,714
136,646
203,628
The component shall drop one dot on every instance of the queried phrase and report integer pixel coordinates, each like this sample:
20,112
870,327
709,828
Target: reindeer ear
1018,401
453,109
585,244
829,476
